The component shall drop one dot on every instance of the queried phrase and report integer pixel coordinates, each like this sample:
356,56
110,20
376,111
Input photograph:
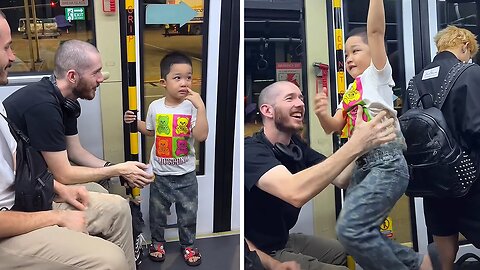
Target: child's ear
163,82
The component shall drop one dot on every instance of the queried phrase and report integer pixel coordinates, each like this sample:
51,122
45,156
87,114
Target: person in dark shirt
282,173
47,112
446,217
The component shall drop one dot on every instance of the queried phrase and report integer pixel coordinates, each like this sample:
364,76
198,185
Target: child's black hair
171,59
358,32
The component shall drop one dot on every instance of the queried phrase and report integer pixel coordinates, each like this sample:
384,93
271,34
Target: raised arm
329,124
376,33
200,131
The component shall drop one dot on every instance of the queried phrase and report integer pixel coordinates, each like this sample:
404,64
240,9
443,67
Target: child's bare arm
200,131
329,124
142,127
376,33
130,116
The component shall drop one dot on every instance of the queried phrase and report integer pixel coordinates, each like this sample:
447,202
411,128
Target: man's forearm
308,183
14,223
80,174
85,158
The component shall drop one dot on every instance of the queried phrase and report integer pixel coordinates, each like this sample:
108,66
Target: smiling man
282,173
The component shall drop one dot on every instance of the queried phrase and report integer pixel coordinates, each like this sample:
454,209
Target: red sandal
158,249
189,253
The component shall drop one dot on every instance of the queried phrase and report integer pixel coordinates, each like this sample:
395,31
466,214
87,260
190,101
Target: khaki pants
54,247
313,253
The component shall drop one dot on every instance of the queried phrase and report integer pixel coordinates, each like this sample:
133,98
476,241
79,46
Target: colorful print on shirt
171,138
351,99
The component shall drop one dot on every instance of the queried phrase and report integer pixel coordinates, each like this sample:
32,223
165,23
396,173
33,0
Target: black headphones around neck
69,106
284,153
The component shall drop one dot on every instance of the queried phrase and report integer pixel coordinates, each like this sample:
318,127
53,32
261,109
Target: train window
274,51
38,30
183,32
459,13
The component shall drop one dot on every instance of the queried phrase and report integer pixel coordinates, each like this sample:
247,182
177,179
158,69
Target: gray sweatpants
313,253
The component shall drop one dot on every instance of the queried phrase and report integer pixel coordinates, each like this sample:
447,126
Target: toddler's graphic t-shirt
373,91
173,151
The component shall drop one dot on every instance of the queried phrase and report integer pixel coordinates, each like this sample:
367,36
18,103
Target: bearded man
282,173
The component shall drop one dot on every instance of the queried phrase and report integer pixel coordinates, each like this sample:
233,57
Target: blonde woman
446,217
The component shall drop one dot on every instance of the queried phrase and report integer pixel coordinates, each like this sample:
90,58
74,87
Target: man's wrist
108,164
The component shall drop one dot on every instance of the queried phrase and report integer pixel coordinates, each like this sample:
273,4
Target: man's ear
266,110
71,76
465,47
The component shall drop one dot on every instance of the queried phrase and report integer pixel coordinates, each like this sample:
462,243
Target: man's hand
73,220
321,104
369,135
135,173
291,265
76,196
195,98
129,117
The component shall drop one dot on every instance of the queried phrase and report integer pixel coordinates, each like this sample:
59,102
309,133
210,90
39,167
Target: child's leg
366,207
161,198
186,196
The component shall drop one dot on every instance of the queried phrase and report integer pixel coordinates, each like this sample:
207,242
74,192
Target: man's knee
112,204
112,258
94,187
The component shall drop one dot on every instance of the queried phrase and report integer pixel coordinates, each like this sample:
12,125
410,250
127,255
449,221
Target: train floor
221,252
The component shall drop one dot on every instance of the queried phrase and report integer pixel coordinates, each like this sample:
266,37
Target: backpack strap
439,97
412,94
448,82
16,132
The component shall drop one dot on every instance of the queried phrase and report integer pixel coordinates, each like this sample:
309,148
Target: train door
433,16
195,28
410,27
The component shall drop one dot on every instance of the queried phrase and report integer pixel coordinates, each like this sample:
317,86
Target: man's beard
280,125
80,90
3,78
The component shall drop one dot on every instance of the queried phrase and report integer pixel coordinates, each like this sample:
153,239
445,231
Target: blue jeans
181,190
379,180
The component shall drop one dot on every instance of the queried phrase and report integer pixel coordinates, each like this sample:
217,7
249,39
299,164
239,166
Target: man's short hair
265,96
452,37
171,59
71,55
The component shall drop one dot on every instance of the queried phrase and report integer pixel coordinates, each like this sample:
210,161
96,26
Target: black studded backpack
438,165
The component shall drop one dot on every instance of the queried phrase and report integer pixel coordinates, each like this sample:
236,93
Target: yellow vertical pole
132,81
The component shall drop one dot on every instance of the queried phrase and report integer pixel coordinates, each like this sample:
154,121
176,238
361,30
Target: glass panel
159,40
273,52
356,16
461,13
35,49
